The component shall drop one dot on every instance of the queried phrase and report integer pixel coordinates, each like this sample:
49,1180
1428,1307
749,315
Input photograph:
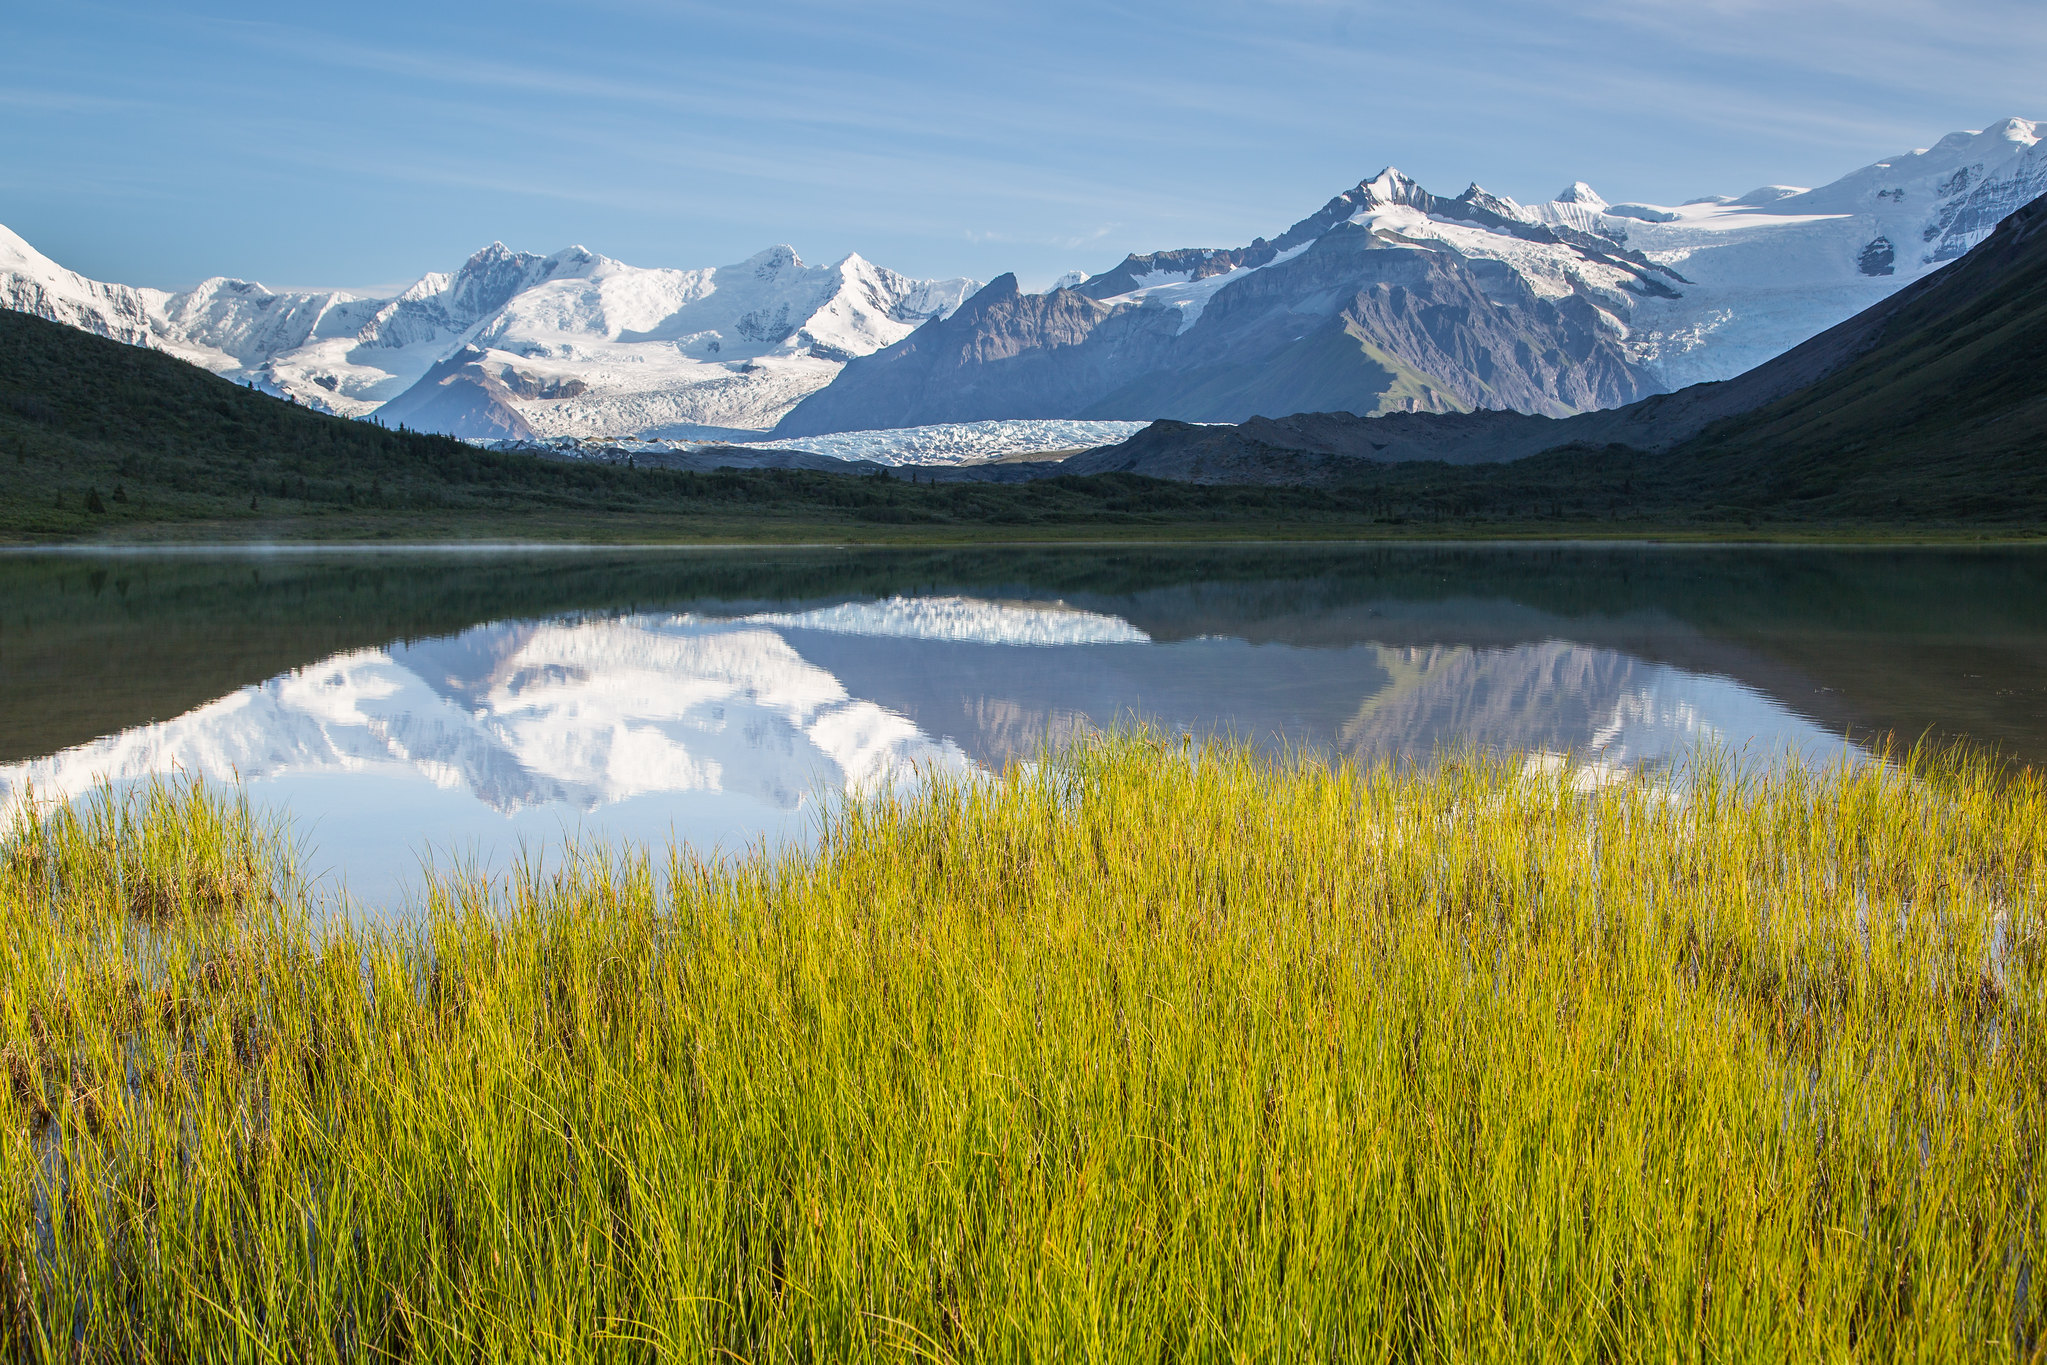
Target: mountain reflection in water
485,705
770,711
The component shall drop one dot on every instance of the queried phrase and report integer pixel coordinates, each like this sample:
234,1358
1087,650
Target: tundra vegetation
101,441
1141,1052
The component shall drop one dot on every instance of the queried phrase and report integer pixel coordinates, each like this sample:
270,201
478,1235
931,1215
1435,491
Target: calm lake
478,707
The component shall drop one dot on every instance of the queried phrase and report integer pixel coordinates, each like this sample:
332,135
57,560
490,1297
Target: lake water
480,707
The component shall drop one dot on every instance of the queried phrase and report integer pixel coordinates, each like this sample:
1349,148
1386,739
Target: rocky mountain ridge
1942,374
1392,299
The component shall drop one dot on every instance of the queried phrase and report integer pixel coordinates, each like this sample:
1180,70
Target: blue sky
358,145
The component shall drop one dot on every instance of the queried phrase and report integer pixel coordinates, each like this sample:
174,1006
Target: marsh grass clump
1140,1053
157,853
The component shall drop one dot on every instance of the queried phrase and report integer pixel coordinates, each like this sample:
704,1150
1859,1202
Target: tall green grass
1141,1054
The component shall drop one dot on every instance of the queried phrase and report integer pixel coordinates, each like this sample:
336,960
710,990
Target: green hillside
1944,415
97,437
102,440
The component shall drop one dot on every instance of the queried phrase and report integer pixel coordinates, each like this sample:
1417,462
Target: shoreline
1632,538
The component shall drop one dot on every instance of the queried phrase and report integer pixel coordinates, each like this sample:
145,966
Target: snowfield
1179,289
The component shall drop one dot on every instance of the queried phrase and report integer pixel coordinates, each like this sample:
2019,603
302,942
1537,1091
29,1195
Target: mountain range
1388,300
514,344
1393,299
1924,408
1935,390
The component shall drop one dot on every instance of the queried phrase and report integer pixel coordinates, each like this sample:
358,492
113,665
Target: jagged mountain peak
1478,197
779,257
497,262
1578,192
1002,286
1330,311
497,256
490,279
1390,186
578,257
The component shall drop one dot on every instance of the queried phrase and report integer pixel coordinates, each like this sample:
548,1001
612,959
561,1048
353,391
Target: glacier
959,443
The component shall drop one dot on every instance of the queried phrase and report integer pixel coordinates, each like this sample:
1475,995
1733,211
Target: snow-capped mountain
516,344
1391,298
1388,299
1936,385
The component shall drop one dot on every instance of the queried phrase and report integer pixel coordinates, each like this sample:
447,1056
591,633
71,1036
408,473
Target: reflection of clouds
580,714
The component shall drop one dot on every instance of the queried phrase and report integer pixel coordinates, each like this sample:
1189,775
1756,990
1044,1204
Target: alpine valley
1388,299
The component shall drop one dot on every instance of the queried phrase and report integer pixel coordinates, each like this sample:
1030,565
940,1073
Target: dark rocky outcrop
464,395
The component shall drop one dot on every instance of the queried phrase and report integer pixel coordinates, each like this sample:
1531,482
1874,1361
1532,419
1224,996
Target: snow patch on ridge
1179,289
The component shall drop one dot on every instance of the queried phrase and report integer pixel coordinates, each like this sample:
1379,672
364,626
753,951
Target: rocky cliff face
1354,318
1360,316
